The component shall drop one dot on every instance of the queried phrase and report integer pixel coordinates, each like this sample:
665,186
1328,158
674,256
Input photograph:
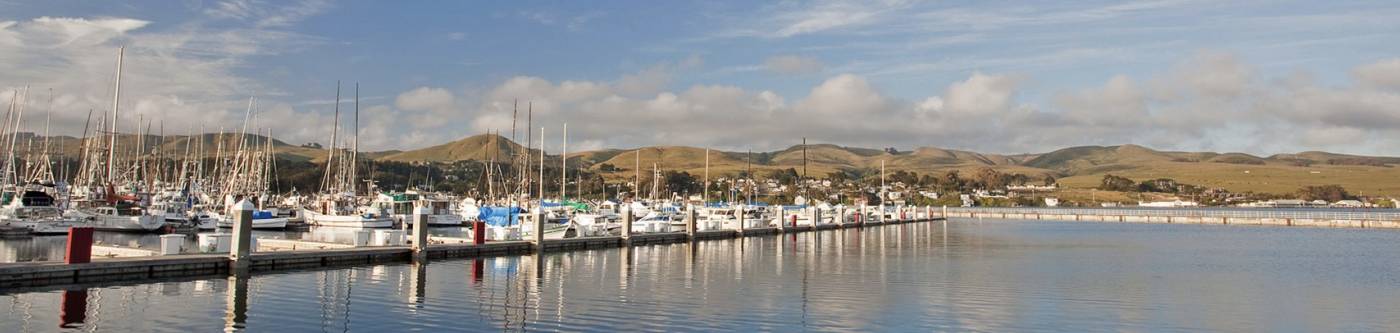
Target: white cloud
1216,103
424,98
793,64
265,14
1383,74
185,76
980,94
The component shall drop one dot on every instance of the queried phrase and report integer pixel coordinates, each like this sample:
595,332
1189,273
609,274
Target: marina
387,246
631,166
992,274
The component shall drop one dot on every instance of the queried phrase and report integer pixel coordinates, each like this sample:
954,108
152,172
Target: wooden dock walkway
310,255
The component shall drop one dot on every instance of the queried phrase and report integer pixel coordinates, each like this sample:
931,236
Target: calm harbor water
991,275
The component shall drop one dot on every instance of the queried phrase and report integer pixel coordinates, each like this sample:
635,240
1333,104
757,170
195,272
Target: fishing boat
124,216
35,210
401,207
345,213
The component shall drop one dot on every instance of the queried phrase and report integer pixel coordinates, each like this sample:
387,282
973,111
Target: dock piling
626,224
537,237
420,233
79,249
242,234
478,232
690,216
739,215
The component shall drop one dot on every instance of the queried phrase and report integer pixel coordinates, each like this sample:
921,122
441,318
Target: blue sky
997,76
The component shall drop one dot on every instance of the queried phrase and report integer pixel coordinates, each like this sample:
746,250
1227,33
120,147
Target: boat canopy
500,216
579,206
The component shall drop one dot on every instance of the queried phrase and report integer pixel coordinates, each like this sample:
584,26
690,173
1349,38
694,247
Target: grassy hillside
1075,167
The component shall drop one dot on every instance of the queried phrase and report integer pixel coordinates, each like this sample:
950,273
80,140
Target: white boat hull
45,227
127,223
259,224
434,220
345,221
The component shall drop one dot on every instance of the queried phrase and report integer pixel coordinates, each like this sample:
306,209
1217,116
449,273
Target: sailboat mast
355,149
116,104
637,174
541,167
330,152
529,144
563,168
490,185
705,196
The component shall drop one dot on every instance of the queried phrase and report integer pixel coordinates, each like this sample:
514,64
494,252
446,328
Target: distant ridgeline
460,166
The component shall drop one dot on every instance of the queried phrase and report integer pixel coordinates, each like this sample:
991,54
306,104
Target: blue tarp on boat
500,216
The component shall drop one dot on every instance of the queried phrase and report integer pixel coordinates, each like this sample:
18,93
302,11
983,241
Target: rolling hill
1077,167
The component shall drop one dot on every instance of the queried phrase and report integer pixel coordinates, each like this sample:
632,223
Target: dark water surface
994,276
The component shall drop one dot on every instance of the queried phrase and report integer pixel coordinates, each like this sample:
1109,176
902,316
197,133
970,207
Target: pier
1386,219
269,255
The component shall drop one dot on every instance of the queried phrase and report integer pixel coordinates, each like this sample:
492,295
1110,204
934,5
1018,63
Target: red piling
79,248
478,232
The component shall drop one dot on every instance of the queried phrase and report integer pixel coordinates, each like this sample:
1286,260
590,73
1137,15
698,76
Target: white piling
242,234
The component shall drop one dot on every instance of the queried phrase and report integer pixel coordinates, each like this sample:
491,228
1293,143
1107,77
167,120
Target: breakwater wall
1383,219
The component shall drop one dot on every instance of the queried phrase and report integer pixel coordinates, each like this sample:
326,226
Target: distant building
1169,204
1050,187
1349,204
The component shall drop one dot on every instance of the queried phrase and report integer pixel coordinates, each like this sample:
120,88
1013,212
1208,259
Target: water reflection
915,277
50,248
237,303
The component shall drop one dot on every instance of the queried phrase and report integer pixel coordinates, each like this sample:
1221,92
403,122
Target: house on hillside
1349,204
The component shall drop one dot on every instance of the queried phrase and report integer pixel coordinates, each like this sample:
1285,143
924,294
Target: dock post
79,249
538,237
627,224
420,233
860,216
945,212
782,218
739,215
816,217
881,213
840,218
242,236
690,216
478,232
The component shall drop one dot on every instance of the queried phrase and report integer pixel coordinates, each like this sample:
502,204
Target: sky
1260,77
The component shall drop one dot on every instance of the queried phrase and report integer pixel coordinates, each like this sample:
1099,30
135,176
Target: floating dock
296,254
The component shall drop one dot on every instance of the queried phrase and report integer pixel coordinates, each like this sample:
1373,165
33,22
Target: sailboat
33,205
98,200
339,204
250,177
